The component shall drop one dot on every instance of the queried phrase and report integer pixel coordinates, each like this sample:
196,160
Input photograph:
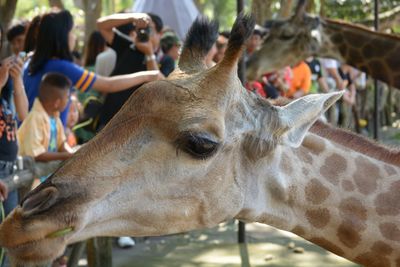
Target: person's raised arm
50,156
323,85
121,82
147,49
20,98
333,72
107,23
4,71
3,191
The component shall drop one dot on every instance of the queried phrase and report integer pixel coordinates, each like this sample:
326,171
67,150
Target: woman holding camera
135,37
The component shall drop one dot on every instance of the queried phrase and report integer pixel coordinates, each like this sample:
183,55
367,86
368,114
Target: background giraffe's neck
374,53
332,195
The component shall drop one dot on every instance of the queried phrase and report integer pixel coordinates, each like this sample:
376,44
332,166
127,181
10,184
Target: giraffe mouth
60,233
33,240
59,236
39,251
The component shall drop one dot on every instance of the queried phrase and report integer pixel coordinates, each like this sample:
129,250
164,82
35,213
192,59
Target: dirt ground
218,247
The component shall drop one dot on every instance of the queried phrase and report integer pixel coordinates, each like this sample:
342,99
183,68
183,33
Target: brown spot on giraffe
305,171
327,245
348,185
390,231
382,248
372,259
354,216
333,166
388,203
354,39
355,56
315,145
337,38
380,69
398,262
298,230
368,51
304,155
366,175
292,194
316,192
377,256
348,234
383,46
393,61
396,77
318,218
354,209
285,164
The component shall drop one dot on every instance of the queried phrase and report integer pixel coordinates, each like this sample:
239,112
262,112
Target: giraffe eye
198,146
287,34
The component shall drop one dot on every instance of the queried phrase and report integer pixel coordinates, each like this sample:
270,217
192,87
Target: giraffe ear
297,117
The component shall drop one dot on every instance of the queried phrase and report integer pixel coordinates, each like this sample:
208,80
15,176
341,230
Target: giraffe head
287,42
177,157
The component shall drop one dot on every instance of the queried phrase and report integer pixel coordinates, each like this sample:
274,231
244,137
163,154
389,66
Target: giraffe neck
332,195
372,52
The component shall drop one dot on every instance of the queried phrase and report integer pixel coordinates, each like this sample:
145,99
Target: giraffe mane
357,143
342,23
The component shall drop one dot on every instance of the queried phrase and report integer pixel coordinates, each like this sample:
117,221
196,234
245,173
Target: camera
143,35
21,55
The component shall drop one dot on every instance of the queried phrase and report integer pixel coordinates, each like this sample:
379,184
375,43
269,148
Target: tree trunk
92,9
310,8
56,3
109,7
261,10
7,11
286,8
322,12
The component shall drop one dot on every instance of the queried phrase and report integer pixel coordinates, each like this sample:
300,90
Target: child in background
42,134
170,45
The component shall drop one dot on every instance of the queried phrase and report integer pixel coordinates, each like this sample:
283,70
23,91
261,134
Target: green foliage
356,10
113,6
223,11
26,10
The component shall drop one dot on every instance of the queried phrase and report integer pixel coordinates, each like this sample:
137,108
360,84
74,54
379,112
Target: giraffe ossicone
198,149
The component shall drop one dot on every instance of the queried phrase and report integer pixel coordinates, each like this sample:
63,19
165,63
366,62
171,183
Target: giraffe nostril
39,201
